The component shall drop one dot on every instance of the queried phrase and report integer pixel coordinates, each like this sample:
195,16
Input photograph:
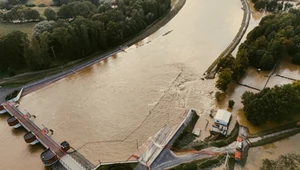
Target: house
222,117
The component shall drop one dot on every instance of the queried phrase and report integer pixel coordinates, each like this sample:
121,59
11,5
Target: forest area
77,30
276,37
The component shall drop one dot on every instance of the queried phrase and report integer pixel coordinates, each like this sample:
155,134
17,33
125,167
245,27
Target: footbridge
41,135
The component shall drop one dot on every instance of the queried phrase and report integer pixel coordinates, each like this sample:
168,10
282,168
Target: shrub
218,96
42,5
230,103
30,5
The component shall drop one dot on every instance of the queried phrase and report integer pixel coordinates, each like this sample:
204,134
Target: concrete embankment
212,70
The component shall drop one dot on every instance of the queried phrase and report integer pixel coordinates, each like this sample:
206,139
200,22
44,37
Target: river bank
25,78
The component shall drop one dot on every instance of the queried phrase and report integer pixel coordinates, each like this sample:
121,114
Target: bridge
66,160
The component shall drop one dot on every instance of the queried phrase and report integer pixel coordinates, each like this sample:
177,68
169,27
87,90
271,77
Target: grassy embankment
201,164
34,76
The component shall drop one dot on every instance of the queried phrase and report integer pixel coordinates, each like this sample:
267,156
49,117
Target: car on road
239,143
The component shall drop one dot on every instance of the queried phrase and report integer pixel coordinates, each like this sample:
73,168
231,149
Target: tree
76,8
296,58
50,14
12,47
226,62
37,55
277,104
76,31
230,103
266,62
31,14
224,79
284,162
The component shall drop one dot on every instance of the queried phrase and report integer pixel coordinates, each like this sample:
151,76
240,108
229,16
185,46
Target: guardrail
114,163
76,162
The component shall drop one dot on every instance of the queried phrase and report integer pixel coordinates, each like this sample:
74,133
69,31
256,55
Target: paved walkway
70,164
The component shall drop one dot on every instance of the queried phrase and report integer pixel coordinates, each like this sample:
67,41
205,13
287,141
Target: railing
73,160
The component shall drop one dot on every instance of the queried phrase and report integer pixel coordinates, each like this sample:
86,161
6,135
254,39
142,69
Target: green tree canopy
272,104
224,79
50,14
284,162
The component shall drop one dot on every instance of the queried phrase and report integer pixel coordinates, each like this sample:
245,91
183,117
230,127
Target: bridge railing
76,162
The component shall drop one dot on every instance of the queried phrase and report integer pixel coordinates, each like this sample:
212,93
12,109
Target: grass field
42,9
37,2
26,27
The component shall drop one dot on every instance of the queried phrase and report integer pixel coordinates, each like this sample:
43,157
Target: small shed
222,117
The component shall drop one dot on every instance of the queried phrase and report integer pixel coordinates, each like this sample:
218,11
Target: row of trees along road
276,36
82,28
272,104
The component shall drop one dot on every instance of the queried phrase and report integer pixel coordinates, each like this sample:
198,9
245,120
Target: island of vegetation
276,104
276,37
77,30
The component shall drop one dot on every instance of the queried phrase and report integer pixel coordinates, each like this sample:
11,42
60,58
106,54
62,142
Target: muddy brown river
105,111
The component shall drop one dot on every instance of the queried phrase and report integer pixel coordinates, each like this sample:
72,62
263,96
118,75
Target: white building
222,117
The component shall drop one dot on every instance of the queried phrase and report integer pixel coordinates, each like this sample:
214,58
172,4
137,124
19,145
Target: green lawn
37,2
26,27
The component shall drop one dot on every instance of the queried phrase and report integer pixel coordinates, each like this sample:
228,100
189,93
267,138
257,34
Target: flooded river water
271,151
105,111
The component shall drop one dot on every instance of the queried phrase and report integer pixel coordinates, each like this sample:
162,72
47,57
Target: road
30,126
156,146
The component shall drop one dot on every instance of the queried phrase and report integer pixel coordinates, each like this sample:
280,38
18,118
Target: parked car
239,143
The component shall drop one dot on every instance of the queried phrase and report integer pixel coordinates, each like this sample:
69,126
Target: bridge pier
14,122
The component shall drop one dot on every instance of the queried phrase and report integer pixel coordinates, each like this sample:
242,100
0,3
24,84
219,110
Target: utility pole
227,156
